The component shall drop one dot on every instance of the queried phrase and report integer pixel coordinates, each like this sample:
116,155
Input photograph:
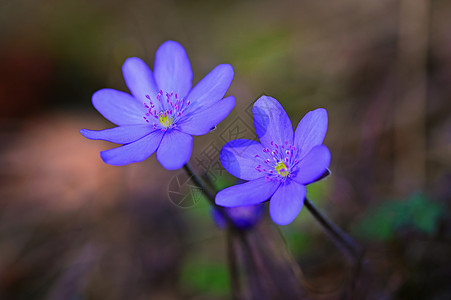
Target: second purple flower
281,165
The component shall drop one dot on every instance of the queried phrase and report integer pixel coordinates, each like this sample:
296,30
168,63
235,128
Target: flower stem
231,231
200,183
233,266
341,238
207,191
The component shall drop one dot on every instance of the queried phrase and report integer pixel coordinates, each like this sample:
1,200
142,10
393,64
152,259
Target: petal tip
232,100
171,44
84,132
107,158
283,222
264,99
113,159
282,219
170,167
132,60
170,164
227,68
99,96
320,114
327,154
321,110
218,199
129,62
221,200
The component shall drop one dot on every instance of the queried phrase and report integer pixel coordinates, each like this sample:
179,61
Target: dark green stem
200,183
206,190
233,266
342,239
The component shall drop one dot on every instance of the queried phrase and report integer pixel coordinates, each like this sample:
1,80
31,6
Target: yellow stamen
281,168
166,119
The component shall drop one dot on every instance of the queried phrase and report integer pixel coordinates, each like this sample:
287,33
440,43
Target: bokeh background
72,227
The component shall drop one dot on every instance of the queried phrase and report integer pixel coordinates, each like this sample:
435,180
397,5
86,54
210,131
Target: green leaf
425,215
416,212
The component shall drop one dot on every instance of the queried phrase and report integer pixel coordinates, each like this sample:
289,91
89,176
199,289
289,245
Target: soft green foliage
416,212
206,277
224,181
320,190
266,50
297,241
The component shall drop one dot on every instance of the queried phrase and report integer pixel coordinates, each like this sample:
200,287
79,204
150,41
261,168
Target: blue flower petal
238,158
199,123
211,88
119,135
133,152
248,193
271,122
140,80
242,217
118,107
175,149
313,165
172,69
311,131
286,203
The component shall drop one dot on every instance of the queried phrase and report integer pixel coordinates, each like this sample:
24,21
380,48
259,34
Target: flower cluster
164,111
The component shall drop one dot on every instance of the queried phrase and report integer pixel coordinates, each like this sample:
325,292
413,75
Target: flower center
170,110
166,119
281,168
277,162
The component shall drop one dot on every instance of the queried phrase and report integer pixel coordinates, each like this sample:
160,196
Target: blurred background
72,227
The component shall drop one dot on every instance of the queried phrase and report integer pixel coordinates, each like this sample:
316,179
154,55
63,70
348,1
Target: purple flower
281,165
164,111
242,217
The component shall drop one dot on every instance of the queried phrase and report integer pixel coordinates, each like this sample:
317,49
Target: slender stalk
344,240
200,183
252,268
233,266
207,192
231,231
